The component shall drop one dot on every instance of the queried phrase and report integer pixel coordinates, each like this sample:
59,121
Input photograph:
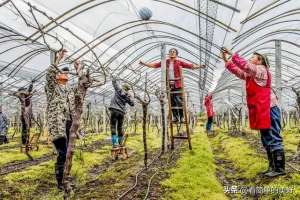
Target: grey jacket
3,124
120,98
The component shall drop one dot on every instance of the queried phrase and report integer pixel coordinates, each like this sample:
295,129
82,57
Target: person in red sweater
174,66
264,113
210,112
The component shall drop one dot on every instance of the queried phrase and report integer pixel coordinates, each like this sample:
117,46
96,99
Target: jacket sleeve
236,70
238,60
51,78
157,64
6,121
243,64
129,100
186,65
29,89
116,86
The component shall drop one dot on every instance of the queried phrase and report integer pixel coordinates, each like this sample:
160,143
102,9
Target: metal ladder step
181,137
176,108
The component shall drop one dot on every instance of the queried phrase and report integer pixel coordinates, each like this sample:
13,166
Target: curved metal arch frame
156,22
108,1
169,43
119,53
152,30
266,24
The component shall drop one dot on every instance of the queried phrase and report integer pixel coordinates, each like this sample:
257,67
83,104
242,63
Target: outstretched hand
60,55
198,66
224,53
77,66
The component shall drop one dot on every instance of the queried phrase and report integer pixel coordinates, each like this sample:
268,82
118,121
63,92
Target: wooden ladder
179,135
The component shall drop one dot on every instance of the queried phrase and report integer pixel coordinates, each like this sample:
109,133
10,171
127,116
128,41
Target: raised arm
129,100
236,70
190,65
244,64
116,86
30,88
53,70
151,65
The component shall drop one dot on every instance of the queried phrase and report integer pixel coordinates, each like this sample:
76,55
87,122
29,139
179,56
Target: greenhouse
150,99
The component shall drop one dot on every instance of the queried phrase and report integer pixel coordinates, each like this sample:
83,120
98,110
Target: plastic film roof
111,33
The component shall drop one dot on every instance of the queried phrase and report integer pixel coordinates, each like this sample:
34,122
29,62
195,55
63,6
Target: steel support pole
164,97
243,106
229,111
278,75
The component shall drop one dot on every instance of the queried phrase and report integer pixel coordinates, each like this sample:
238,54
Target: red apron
259,100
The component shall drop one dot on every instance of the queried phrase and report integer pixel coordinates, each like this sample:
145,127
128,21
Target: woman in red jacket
264,114
174,73
209,110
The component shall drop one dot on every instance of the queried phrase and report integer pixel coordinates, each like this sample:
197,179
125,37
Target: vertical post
1,95
243,107
104,115
164,97
52,57
229,113
278,70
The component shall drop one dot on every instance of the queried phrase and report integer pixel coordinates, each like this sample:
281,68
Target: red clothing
178,64
258,89
258,101
209,106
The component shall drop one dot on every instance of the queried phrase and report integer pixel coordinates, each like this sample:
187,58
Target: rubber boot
279,164
2,139
5,140
271,162
120,140
114,140
59,173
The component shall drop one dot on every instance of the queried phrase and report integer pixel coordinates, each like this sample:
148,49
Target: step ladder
121,150
181,125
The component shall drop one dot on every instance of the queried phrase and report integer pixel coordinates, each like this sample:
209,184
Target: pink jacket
209,106
244,69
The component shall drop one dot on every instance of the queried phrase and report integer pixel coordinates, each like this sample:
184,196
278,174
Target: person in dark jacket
25,97
3,127
117,111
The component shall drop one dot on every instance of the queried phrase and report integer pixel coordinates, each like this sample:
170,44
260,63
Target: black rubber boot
279,164
59,173
2,139
271,162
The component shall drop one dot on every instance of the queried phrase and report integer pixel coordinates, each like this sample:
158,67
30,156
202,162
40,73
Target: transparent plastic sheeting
120,39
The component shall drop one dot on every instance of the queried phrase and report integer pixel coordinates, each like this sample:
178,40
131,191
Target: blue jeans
209,123
271,138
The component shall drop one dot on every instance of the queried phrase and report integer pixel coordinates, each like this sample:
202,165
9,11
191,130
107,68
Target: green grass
194,175
29,183
248,163
38,182
245,159
117,177
9,155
